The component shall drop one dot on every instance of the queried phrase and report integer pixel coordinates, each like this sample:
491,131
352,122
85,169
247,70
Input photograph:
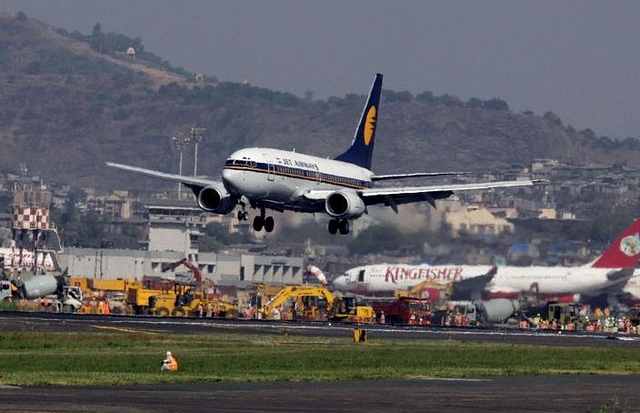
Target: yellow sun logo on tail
370,125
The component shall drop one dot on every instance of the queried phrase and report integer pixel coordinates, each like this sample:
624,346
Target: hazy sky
579,59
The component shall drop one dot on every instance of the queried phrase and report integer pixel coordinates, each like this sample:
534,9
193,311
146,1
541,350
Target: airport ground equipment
563,313
432,290
194,270
187,300
475,313
316,303
634,315
138,298
403,311
53,289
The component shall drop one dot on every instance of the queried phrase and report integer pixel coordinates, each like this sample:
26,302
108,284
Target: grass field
117,358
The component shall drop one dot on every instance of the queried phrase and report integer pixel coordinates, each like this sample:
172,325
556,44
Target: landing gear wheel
344,227
269,224
333,226
242,215
258,223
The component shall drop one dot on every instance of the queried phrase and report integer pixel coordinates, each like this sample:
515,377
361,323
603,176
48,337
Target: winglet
624,252
361,149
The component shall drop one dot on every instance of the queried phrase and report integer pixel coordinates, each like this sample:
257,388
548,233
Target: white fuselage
508,280
279,179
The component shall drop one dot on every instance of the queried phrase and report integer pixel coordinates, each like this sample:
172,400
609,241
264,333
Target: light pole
196,135
181,142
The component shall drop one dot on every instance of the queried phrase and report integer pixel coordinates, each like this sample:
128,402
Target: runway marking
124,330
450,379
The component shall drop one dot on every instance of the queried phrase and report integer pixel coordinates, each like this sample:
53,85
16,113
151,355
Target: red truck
403,311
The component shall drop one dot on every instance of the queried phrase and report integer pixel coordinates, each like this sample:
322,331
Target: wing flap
430,193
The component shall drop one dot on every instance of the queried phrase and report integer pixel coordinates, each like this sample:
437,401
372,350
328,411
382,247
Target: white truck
66,298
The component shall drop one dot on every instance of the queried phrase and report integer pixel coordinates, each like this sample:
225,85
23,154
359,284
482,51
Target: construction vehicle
194,270
259,294
187,300
562,313
403,311
7,289
140,299
315,303
475,313
634,315
188,297
54,291
427,289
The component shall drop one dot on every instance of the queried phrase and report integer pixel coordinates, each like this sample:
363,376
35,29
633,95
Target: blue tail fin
361,149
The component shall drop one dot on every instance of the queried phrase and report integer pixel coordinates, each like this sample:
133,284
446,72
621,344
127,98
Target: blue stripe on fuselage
299,173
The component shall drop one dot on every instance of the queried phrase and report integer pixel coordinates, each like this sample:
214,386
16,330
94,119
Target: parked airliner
280,180
626,254
608,275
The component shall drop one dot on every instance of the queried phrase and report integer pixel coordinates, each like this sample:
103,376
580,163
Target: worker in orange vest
170,363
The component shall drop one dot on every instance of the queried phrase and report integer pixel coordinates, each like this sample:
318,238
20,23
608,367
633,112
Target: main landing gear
259,222
341,225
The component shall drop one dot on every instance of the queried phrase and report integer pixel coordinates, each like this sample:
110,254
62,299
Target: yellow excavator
315,303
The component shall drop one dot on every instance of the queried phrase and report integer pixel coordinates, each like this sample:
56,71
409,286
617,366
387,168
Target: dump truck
403,311
140,299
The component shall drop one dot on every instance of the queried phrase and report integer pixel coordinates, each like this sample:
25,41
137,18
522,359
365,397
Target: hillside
65,109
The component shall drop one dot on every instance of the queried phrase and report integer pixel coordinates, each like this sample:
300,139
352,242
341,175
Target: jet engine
344,204
215,198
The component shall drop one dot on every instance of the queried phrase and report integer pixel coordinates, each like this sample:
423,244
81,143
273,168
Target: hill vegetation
72,101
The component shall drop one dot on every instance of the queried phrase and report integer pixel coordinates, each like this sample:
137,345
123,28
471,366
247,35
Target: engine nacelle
216,199
344,204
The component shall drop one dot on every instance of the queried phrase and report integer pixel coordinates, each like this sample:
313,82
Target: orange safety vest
173,363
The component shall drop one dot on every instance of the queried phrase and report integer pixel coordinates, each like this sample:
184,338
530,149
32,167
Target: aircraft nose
340,282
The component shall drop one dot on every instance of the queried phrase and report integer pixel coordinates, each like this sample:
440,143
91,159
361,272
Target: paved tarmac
502,394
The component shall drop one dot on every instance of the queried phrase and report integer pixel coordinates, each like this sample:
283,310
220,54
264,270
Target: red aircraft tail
624,252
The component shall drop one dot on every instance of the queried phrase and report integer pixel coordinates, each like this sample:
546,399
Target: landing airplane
606,276
279,180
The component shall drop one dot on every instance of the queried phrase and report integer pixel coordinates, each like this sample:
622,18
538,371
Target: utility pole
181,142
196,136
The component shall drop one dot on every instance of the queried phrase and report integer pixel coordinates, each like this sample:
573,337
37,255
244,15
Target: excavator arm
194,270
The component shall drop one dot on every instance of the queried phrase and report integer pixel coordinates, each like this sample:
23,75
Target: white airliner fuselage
282,179
508,281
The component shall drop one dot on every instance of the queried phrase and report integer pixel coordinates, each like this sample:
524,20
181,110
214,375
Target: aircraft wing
415,175
470,287
393,196
186,180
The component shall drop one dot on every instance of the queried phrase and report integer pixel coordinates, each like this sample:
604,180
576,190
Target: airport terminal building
173,235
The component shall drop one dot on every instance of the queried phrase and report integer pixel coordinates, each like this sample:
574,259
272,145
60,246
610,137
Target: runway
504,394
